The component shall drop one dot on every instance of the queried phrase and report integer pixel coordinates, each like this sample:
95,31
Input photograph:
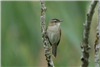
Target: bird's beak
61,21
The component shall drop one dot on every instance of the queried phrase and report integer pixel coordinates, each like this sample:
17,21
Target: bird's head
55,22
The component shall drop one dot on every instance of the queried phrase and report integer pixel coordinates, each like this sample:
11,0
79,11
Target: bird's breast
53,34
53,28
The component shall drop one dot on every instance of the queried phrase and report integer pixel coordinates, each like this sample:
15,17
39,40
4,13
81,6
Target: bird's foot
49,48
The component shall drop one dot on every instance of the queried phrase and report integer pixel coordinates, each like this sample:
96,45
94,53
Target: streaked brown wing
48,38
60,37
49,41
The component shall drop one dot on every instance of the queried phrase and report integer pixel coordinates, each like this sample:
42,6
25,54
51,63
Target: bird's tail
54,50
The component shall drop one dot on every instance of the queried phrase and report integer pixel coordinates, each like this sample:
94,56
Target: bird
54,34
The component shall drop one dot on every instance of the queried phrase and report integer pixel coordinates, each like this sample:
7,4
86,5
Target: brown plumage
54,34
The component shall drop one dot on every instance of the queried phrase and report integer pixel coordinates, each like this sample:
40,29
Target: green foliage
21,43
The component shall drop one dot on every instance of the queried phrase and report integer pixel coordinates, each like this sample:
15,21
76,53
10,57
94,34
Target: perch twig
96,45
84,45
44,36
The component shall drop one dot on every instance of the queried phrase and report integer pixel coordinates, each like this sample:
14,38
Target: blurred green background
21,42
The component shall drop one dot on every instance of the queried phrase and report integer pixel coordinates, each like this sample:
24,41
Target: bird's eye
55,21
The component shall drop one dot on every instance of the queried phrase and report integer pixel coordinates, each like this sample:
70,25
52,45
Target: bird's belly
54,38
